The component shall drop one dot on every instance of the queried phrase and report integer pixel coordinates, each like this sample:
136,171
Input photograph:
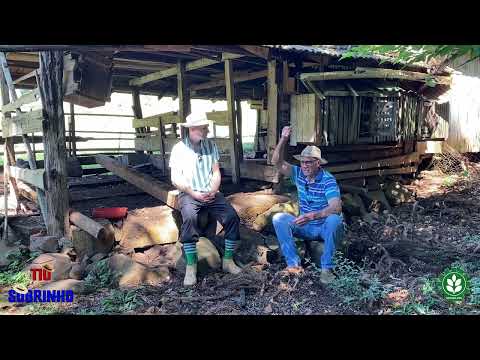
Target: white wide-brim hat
195,120
311,151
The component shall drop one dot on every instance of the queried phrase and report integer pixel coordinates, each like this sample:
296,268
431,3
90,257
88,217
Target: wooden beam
27,98
137,111
218,117
32,177
272,130
237,78
238,107
374,73
100,48
22,56
190,66
73,138
370,93
260,51
22,124
151,121
153,77
27,76
162,191
51,92
230,91
393,161
380,172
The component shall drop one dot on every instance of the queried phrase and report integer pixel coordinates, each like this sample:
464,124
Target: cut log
86,244
149,226
162,191
249,205
265,219
90,226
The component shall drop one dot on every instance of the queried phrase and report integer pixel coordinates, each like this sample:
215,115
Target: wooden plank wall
464,108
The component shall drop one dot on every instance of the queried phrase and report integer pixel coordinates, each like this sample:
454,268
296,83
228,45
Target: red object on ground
109,213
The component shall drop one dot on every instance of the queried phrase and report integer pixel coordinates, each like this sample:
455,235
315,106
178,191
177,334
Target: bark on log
90,226
51,93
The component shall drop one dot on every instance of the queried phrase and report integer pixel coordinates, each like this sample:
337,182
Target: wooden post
72,130
137,112
34,153
259,129
231,121
272,130
53,126
183,98
238,106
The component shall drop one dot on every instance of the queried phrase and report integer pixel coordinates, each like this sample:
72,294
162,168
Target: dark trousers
219,209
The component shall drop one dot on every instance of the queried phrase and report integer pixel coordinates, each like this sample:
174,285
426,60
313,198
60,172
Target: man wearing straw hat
320,208
195,171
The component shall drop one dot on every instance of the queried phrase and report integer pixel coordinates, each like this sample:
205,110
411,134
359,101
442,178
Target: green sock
191,259
190,253
229,248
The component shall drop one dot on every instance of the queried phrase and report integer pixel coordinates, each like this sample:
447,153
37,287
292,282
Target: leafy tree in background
410,54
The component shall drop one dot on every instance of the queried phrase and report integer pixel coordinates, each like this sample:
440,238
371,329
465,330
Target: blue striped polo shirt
315,196
196,167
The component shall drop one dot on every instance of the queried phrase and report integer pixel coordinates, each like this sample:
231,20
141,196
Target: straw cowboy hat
195,120
311,151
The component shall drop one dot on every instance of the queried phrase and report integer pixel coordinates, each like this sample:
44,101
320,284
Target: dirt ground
389,267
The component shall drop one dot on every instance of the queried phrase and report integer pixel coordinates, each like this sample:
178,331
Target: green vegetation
117,302
100,277
14,274
410,54
353,286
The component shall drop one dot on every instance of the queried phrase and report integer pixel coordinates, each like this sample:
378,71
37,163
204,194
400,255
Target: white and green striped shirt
196,167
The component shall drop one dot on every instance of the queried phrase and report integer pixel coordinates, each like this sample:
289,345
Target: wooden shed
367,115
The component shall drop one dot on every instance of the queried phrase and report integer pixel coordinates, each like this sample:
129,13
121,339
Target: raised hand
286,131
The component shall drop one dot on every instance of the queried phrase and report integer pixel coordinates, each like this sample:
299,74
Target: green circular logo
454,284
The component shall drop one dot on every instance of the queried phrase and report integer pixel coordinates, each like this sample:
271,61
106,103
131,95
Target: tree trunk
51,92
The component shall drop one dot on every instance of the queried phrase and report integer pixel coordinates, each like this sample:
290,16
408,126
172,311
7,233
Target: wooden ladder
20,125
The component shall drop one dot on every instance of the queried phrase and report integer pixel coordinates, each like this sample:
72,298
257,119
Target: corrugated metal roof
332,50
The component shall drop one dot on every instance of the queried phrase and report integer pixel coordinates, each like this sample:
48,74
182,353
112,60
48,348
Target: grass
117,302
449,181
100,277
43,309
353,286
15,273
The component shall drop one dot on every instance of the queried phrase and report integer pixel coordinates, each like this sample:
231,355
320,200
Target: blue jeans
330,232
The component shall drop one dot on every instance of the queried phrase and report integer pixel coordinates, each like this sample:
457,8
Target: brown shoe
293,270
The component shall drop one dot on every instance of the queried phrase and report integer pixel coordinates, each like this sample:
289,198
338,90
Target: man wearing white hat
195,171
320,208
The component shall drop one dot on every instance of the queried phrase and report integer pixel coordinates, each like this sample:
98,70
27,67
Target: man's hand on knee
202,197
